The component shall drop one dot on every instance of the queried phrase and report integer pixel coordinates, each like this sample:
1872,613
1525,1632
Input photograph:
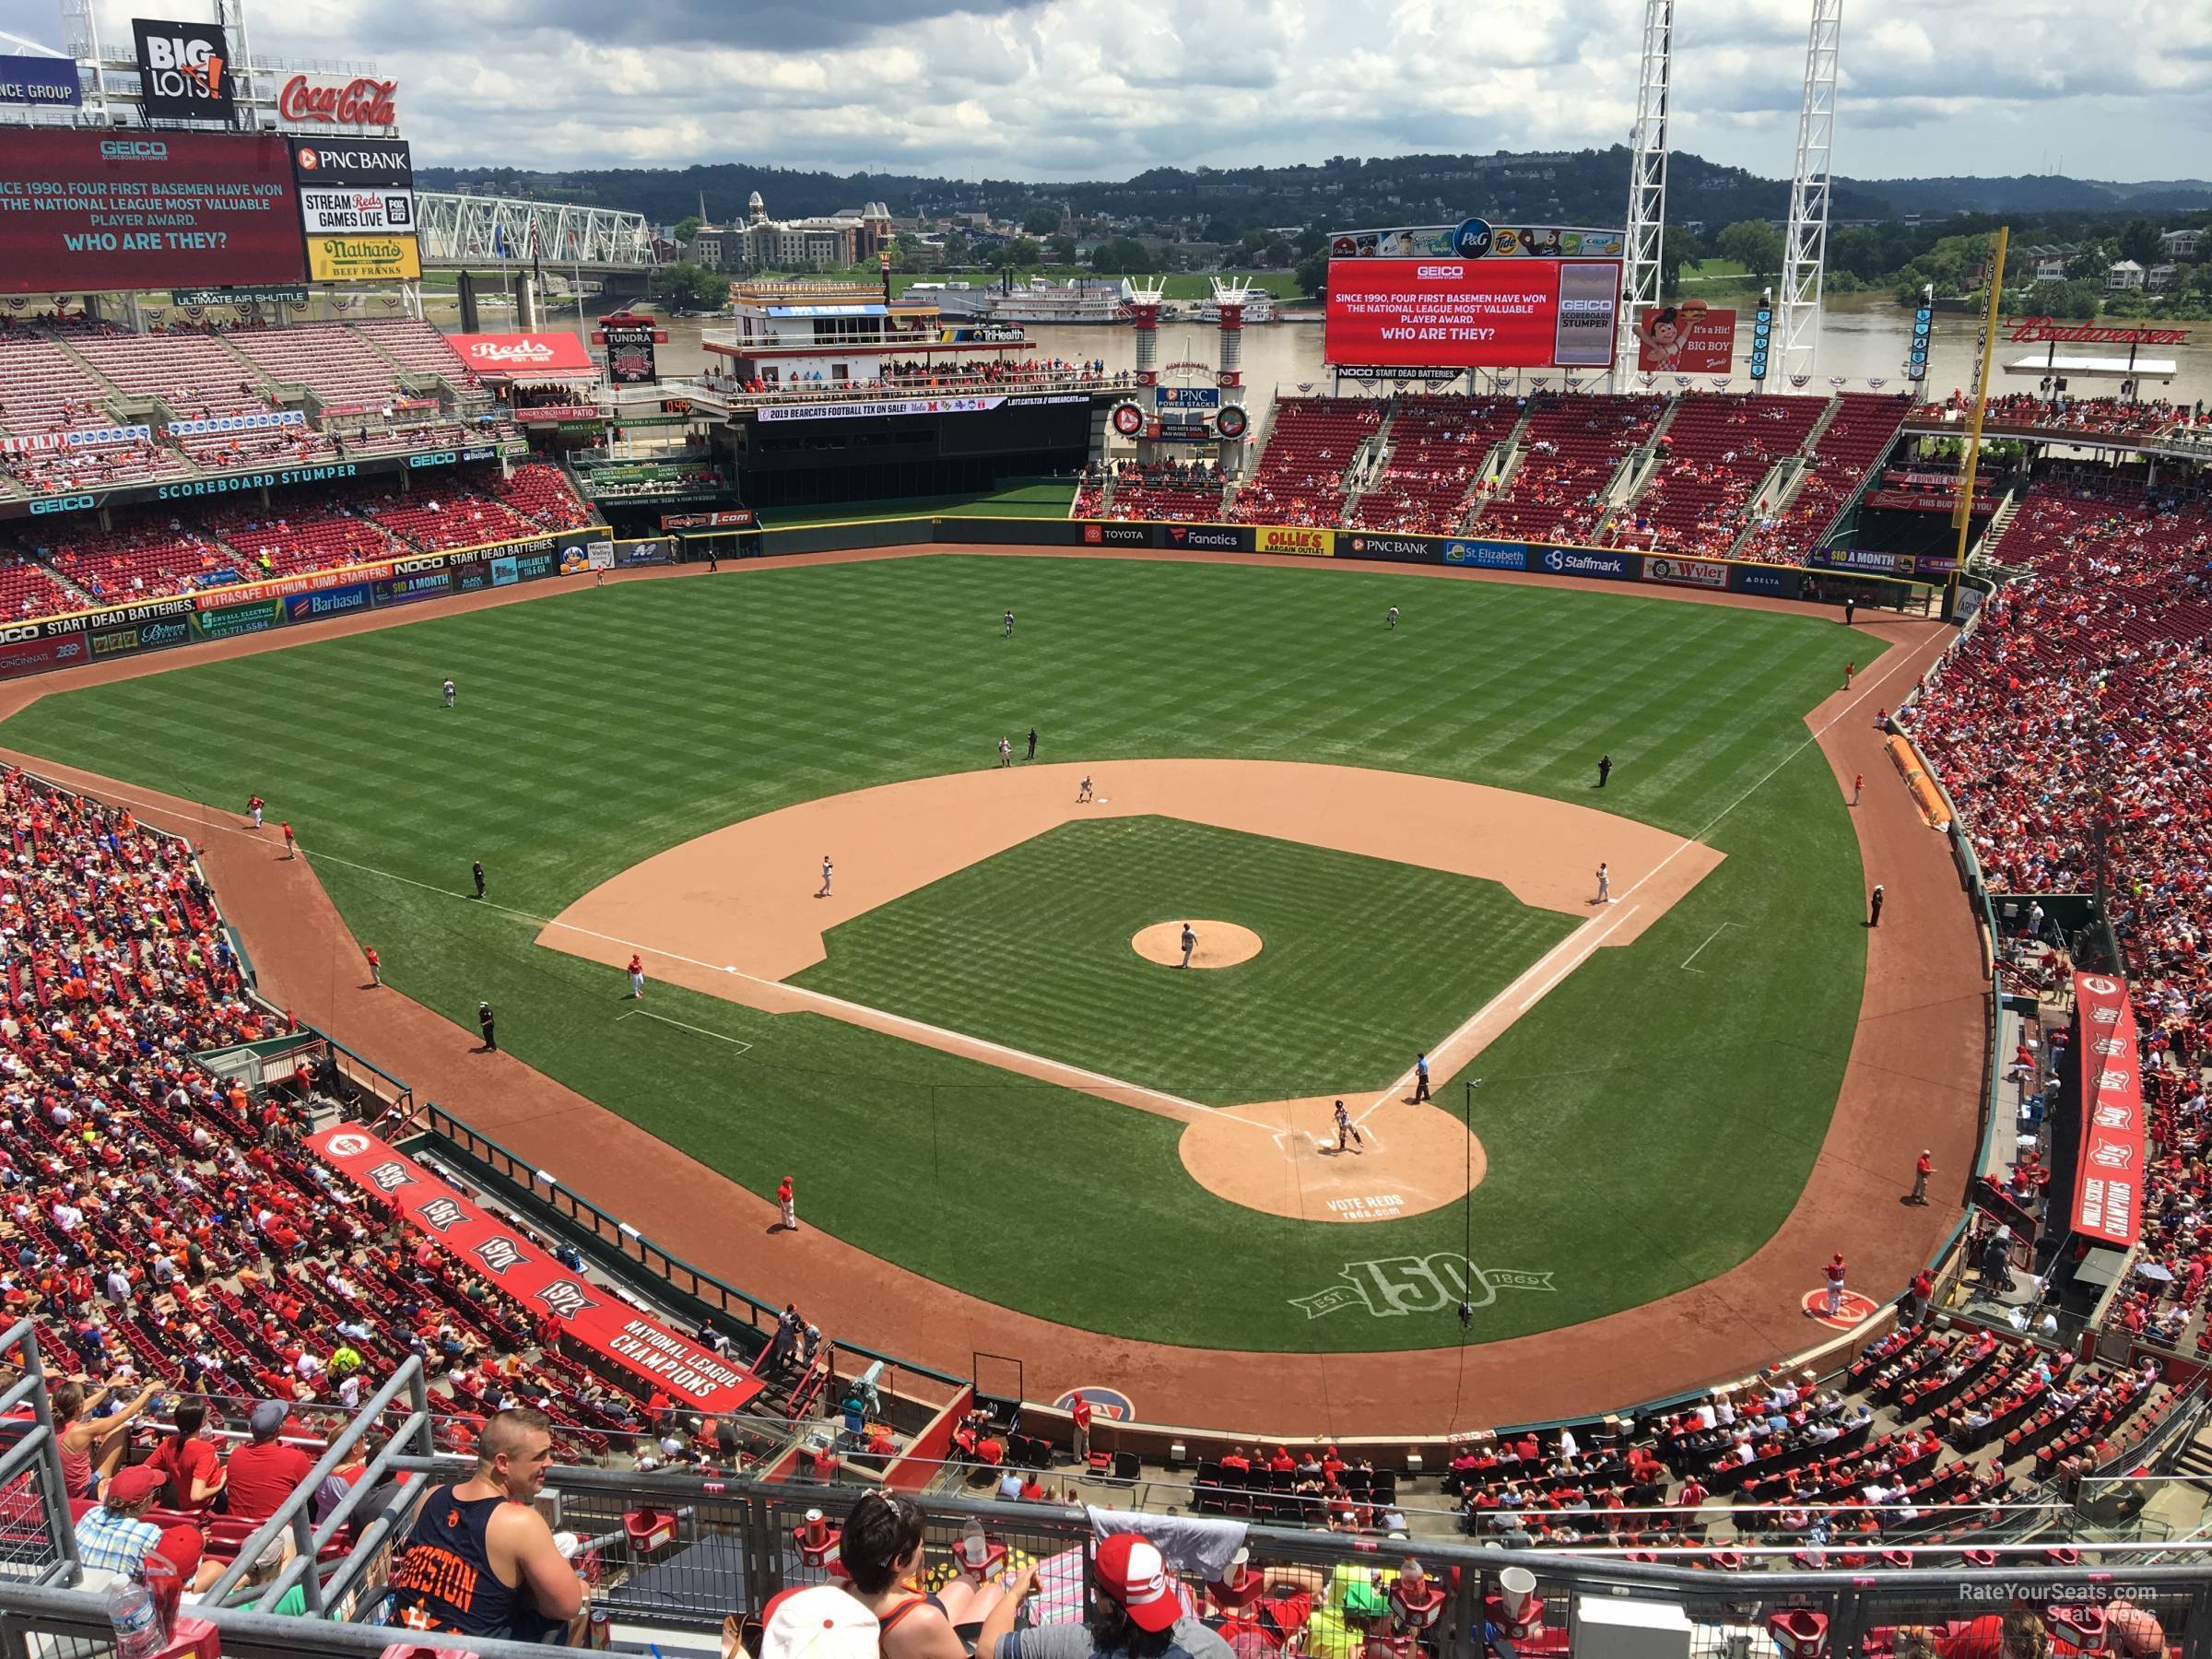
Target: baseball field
958,1055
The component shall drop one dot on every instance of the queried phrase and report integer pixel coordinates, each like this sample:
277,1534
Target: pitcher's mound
1220,943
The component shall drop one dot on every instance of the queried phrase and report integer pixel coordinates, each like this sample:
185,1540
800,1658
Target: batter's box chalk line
738,1042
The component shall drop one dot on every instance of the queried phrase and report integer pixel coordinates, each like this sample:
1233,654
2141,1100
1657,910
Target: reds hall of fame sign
1400,1284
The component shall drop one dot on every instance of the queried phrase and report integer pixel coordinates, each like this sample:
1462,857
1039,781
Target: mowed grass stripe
1646,1126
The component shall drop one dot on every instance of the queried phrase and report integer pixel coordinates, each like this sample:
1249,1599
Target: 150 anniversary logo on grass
1398,1285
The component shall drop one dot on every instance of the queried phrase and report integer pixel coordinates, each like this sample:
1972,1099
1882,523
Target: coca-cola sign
359,103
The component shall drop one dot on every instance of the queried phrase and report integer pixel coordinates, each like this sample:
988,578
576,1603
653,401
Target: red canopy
2108,1179
526,357
693,1376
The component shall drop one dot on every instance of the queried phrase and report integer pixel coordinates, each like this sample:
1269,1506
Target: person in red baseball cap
1138,1612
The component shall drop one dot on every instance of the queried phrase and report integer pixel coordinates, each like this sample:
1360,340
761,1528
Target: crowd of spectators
2059,412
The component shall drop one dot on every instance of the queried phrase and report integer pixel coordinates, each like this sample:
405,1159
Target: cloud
1101,89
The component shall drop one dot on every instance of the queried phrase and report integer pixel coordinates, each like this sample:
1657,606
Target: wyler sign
184,71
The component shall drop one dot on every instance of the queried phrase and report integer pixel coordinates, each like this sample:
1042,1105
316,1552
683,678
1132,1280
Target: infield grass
1648,1125
1362,961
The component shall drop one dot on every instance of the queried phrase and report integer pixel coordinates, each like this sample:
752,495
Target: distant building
2161,276
2123,274
845,238
2182,244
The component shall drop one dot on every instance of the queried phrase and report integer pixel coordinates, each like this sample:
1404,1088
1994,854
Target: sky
1104,88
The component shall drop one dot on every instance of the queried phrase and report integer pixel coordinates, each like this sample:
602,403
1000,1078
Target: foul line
640,1013
1700,950
1190,1111
1901,653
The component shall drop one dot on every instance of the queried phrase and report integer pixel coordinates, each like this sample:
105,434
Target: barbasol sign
1486,555
1567,561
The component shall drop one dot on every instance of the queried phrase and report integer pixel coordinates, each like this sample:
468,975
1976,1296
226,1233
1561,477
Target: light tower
80,35
1231,296
1647,182
1804,245
1145,294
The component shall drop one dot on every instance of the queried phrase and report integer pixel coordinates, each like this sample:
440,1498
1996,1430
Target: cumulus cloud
1102,88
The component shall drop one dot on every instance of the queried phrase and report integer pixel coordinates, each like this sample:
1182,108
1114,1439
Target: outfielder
1345,1129
448,693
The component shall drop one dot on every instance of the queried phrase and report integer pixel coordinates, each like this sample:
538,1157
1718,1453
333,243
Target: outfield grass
1647,1127
1363,963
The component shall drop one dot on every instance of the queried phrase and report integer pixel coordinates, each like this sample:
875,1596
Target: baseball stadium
1545,1002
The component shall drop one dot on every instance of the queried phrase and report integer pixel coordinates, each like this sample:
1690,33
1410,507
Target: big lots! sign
357,102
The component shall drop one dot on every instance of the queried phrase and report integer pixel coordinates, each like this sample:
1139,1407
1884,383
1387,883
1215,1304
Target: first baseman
1605,884
824,893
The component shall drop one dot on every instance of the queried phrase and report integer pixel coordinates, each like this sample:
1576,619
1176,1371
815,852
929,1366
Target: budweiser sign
2035,331
358,102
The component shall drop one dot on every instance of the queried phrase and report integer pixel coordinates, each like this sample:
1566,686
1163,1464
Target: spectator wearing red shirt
265,1471
1236,1459
193,1468
1080,1411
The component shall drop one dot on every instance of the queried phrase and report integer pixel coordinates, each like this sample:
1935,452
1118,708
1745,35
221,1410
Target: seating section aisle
43,390
1572,450
195,374
1437,448
1865,424
330,360
29,588
418,347
303,529
1300,477
542,495
1712,456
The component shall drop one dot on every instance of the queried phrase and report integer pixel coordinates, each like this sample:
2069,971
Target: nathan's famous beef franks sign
2107,1175
104,211
1516,314
696,1378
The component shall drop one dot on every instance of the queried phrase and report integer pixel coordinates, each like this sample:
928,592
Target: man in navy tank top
480,1560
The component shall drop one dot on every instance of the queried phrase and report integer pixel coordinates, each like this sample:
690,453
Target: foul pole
1962,510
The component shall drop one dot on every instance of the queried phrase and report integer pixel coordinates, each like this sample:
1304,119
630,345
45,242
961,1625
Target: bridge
489,233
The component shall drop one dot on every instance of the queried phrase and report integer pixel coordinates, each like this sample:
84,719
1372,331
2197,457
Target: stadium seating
43,390
542,494
1437,448
1572,448
451,514
309,531
1187,492
29,589
1299,476
196,374
341,369
1858,435
2027,411
417,346
1713,454
143,557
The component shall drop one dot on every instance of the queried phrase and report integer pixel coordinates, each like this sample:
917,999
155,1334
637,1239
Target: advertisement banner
1486,555
1689,338
360,212
855,409
228,621
732,518
1685,572
1576,561
1186,397
60,650
94,211
1294,538
184,71
696,1378
1416,374
353,164
1777,582
331,602
45,83
407,589
1471,314
363,259
547,413
2108,1174
238,423
655,550
359,103
142,636
1107,533
630,355
1412,549
472,576
525,356
1209,539
282,294
1476,239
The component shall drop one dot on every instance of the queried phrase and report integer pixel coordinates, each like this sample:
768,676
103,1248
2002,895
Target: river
1864,336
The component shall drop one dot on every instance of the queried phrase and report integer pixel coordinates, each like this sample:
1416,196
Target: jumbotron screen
1472,313
84,212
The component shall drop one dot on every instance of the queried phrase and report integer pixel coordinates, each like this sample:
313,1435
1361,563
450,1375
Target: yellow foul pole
1962,510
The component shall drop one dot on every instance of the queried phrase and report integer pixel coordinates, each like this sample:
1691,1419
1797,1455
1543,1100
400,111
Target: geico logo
118,150
1428,270
62,504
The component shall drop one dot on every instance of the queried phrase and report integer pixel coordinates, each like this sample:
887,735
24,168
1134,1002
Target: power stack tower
1145,295
1805,244
1232,424
1647,184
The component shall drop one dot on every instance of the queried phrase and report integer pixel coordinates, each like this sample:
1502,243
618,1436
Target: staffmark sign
184,71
